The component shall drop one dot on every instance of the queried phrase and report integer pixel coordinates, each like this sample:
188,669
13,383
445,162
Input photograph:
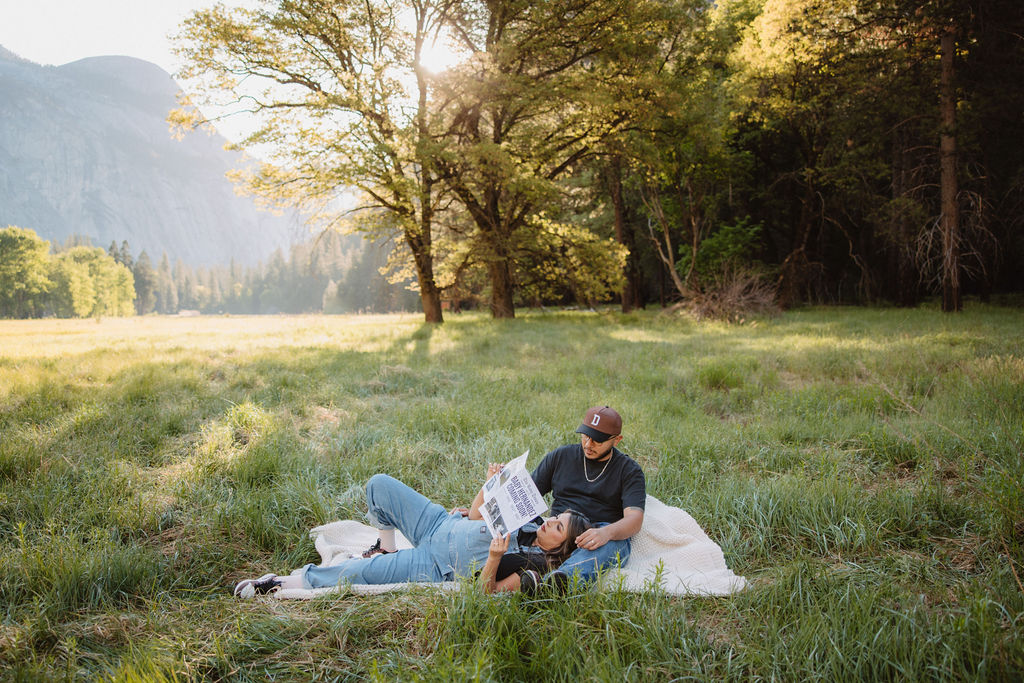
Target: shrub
733,295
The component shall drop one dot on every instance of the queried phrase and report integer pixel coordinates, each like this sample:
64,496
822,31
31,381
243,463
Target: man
595,478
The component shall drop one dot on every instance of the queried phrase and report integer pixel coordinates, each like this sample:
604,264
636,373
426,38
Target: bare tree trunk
907,291
666,252
948,182
794,273
624,236
687,205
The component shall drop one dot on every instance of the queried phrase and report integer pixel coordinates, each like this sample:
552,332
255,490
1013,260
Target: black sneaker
528,582
375,549
266,585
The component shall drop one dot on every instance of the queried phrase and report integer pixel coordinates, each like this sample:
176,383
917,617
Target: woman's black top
529,557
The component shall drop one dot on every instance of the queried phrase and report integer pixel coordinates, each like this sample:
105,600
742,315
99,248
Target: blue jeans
587,564
446,545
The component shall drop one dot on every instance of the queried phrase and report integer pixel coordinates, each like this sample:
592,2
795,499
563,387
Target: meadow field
862,468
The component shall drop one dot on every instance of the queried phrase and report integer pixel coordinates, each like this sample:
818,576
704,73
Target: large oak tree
341,100
547,83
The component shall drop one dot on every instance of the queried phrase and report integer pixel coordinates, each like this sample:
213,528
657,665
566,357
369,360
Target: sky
61,31
56,32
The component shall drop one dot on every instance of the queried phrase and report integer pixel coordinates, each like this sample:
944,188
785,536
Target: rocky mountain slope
85,149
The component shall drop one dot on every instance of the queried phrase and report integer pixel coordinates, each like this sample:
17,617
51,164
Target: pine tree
146,284
167,291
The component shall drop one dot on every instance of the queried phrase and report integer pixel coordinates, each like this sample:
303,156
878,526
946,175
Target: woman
446,545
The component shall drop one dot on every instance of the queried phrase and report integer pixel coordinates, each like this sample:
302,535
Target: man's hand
462,511
592,539
632,520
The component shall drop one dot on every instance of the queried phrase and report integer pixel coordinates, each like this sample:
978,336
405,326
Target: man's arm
542,474
632,520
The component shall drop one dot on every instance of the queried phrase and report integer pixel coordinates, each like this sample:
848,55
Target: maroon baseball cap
600,424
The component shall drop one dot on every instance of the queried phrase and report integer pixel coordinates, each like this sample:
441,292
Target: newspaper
511,499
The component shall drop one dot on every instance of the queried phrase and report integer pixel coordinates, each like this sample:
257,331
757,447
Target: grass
862,468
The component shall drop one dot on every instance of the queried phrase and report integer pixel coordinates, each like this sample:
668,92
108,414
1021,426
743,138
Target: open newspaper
511,499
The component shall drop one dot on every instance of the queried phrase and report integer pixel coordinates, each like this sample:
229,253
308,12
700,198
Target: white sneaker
250,588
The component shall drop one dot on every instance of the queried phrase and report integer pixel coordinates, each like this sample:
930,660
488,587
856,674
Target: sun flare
439,56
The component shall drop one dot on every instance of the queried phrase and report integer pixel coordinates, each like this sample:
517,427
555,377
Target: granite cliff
85,149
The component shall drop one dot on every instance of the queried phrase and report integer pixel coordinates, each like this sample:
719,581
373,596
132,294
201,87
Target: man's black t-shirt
564,473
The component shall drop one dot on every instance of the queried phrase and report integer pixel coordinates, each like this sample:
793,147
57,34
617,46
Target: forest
331,274
729,157
787,151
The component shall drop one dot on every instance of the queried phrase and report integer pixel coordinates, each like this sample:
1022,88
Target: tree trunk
502,304
420,244
948,182
794,273
431,300
430,295
624,236
907,292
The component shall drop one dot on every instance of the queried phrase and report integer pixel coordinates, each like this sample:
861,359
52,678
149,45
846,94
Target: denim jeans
446,545
587,564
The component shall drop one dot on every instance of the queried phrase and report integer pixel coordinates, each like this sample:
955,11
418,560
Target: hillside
85,149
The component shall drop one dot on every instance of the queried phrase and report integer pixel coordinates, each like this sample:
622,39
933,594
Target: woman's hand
493,468
498,546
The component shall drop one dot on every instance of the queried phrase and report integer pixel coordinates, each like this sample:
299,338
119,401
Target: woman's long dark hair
578,523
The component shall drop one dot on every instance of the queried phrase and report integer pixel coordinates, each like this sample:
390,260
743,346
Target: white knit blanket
670,552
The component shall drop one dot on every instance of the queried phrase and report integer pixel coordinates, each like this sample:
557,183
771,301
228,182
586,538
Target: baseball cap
601,423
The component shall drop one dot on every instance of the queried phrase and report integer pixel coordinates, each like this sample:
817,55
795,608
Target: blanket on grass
670,552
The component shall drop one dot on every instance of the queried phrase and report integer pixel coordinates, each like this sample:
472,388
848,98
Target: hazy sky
61,31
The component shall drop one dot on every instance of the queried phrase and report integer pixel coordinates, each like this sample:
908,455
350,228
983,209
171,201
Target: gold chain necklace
587,477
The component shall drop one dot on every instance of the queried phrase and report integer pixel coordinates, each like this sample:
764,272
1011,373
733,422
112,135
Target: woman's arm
509,584
474,509
497,556
498,547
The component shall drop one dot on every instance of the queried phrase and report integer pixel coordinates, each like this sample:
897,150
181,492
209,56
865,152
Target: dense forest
330,274
657,150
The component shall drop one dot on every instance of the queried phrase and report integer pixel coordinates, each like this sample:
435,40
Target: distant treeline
332,274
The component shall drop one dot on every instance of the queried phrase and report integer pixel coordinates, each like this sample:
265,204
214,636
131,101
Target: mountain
85,149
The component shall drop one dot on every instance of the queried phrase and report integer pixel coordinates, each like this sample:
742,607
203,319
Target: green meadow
861,467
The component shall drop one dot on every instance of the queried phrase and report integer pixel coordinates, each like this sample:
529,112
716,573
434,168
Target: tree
547,83
990,122
866,194
24,276
950,216
341,98
146,284
126,259
74,295
91,283
166,290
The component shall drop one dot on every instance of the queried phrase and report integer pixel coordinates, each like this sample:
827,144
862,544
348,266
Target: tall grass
863,468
